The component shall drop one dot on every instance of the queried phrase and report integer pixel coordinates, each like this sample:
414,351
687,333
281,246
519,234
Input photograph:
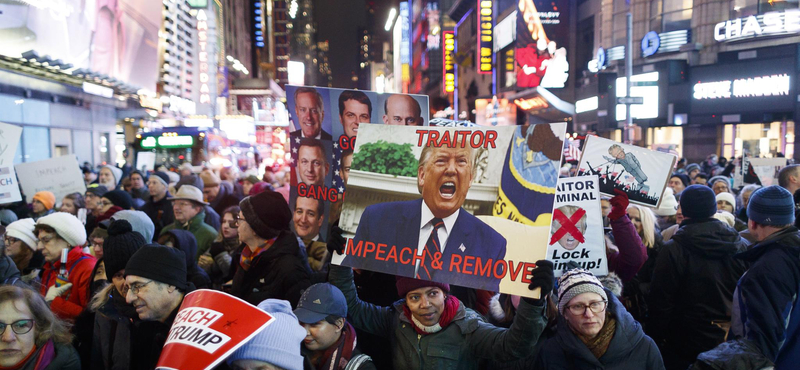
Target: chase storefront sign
767,24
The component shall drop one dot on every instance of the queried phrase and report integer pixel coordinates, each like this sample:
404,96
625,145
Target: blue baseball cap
320,301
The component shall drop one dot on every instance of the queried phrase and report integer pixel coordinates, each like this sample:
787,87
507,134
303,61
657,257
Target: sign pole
628,74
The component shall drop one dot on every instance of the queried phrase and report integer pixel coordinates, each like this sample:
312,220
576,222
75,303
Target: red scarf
451,304
43,359
248,255
338,355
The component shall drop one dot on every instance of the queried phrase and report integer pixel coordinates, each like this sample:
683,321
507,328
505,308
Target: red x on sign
568,225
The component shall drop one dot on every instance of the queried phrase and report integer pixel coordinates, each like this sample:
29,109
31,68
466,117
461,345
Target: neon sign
485,36
775,85
448,67
202,37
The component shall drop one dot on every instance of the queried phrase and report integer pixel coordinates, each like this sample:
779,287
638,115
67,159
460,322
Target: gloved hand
55,292
544,278
216,248
336,242
619,205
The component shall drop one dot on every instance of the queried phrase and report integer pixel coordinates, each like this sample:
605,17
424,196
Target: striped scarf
248,255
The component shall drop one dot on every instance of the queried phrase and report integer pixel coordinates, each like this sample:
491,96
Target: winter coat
160,212
733,355
223,200
466,343
630,348
766,308
79,268
280,272
66,358
143,193
111,345
636,291
188,245
9,275
212,218
365,365
219,271
691,293
203,233
147,341
632,253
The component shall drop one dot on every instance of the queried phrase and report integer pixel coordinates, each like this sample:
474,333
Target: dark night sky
338,21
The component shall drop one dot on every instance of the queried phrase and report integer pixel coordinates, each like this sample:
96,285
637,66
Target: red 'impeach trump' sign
210,325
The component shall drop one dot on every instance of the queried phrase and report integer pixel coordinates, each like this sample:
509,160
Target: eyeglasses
580,309
136,287
234,223
106,204
10,240
45,240
19,326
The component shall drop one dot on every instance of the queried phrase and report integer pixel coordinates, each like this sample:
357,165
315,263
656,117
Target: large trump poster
421,201
322,132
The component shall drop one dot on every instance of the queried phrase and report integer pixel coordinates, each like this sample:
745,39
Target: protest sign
576,233
210,325
762,171
407,182
9,189
324,124
9,141
641,173
59,175
145,161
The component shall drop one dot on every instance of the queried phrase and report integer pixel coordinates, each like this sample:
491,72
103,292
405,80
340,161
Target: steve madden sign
775,85
767,24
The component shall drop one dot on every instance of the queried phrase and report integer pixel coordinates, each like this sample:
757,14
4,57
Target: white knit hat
576,282
67,226
728,197
669,205
117,172
23,230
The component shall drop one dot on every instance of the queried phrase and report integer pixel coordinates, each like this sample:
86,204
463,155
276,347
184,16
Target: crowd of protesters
709,280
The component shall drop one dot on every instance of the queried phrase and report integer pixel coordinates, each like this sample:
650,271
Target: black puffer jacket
690,300
279,272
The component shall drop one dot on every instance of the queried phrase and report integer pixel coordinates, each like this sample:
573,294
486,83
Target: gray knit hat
576,282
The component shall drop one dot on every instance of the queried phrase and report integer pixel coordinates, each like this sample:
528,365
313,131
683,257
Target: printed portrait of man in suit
435,224
310,113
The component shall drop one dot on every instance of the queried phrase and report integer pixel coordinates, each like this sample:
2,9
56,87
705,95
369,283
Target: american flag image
571,151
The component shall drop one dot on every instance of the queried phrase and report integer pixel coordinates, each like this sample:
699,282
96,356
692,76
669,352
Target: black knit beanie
698,201
267,213
120,244
162,264
120,198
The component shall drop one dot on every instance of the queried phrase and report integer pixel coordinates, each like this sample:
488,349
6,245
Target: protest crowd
707,280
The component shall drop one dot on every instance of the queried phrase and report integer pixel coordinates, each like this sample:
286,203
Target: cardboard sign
324,125
9,188
641,173
145,161
762,171
59,175
9,141
576,233
402,178
210,325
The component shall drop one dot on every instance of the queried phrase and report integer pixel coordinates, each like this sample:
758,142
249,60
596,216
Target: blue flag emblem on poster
530,173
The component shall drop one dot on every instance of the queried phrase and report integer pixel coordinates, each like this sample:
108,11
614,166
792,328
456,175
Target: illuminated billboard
542,43
448,67
485,36
115,38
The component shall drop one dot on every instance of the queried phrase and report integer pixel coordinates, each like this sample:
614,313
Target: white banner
9,140
59,175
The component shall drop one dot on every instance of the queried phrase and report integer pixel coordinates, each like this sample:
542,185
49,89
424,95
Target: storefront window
744,8
36,143
670,15
760,140
666,139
